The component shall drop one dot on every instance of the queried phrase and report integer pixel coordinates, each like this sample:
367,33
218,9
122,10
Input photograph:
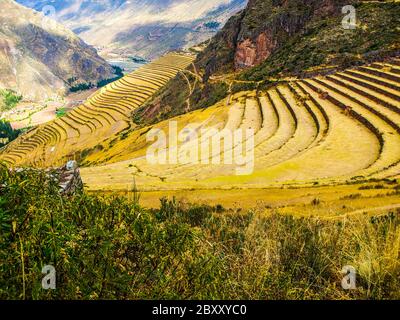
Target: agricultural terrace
329,130
102,116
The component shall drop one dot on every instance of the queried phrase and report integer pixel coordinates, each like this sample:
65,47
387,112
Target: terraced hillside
324,130
102,116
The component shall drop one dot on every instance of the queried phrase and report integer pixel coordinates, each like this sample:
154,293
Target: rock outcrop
70,178
250,37
249,54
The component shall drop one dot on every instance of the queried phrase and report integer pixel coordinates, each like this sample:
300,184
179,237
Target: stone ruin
70,178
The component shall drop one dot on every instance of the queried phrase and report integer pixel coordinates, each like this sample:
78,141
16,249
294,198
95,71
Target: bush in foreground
111,248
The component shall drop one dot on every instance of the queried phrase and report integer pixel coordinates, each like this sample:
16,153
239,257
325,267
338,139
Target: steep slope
104,116
251,37
306,38
142,27
324,45
330,130
39,56
309,32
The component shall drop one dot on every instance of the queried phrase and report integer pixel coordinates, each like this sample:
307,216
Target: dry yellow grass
302,137
325,131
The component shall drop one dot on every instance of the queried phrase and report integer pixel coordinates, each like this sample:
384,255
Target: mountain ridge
316,44
38,57
146,28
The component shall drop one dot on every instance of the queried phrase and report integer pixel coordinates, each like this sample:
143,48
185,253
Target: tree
7,133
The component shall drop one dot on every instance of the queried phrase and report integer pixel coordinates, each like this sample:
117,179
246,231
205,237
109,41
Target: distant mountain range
39,58
147,28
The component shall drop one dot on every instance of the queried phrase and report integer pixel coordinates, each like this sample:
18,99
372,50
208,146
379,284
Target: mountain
252,36
275,39
39,57
148,28
272,37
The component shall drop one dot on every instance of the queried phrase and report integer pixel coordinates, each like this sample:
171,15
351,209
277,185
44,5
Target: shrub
118,71
182,251
7,133
81,87
8,100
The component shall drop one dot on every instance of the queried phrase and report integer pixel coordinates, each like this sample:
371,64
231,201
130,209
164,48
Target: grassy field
183,251
332,200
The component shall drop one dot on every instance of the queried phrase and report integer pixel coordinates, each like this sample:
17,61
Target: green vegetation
61,112
180,95
325,44
137,60
71,80
8,99
76,87
119,74
7,133
81,87
244,86
180,251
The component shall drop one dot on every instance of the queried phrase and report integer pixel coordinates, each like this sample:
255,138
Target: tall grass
111,248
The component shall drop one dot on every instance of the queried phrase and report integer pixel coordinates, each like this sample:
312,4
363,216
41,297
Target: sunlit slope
102,116
325,130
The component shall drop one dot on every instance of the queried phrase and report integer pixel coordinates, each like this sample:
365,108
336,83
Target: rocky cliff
274,39
250,37
38,57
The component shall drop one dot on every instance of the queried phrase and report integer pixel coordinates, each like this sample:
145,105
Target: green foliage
81,87
209,95
76,87
8,99
246,86
139,59
119,72
7,133
108,247
324,43
118,249
71,80
61,112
